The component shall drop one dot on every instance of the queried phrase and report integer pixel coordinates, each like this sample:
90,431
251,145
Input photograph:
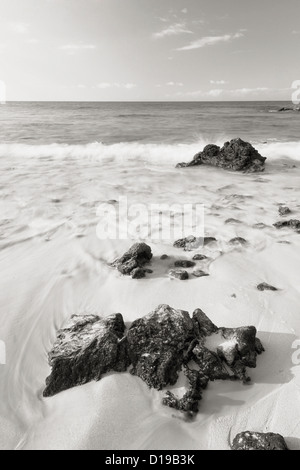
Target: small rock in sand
293,223
264,286
184,263
192,243
179,274
163,257
283,210
199,257
259,441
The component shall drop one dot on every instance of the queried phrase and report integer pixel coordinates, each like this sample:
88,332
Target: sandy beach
53,266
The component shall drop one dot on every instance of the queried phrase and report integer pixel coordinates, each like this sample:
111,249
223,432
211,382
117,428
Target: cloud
295,32
72,48
18,27
185,10
174,84
210,41
173,30
126,86
238,93
218,82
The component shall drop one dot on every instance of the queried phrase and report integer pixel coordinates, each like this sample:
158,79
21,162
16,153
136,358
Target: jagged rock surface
236,155
157,347
293,223
85,349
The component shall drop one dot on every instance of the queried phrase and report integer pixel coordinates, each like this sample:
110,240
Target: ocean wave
135,151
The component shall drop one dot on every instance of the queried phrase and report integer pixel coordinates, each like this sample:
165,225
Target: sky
149,50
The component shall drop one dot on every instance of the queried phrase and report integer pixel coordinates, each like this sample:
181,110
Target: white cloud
218,82
173,30
210,41
18,27
174,84
72,48
238,93
295,32
126,86
185,10
81,86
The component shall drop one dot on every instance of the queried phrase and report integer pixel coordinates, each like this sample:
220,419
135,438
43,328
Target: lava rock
200,273
192,243
259,441
240,350
203,325
179,274
283,210
163,257
87,348
156,345
293,223
134,260
235,155
232,221
184,263
199,257
264,286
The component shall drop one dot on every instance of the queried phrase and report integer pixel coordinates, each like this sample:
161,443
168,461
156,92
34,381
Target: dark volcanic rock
232,221
179,274
192,243
85,349
200,273
184,263
283,210
235,155
156,345
293,223
259,441
163,257
264,286
199,257
134,260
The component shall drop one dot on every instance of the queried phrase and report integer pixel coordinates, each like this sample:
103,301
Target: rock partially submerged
238,241
235,155
293,223
133,261
193,243
259,441
158,347
200,273
184,263
87,348
157,343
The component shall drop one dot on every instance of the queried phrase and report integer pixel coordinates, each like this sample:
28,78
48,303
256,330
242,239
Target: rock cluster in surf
258,441
235,155
158,347
133,262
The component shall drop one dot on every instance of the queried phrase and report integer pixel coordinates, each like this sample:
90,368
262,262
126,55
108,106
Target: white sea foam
135,151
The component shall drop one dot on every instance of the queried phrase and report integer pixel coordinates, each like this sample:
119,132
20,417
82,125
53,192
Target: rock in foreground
293,223
158,347
259,441
85,349
235,155
133,261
